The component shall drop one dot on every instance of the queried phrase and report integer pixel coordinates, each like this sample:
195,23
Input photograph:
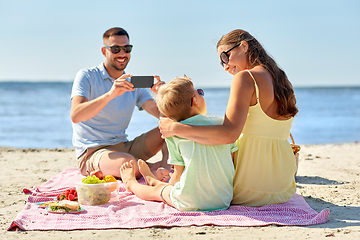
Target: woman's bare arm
241,92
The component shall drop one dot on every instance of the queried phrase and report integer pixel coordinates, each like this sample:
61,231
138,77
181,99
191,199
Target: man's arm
151,108
82,109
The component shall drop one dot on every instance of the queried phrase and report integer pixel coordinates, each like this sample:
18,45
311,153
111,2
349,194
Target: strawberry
67,192
71,197
72,191
58,197
62,197
75,194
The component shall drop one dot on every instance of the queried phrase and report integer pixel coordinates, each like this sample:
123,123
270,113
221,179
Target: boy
203,174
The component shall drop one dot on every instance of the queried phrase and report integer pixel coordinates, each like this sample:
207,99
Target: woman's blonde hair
174,98
257,56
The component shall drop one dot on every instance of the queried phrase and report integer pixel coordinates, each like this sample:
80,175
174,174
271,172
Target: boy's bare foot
162,174
127,174
149,176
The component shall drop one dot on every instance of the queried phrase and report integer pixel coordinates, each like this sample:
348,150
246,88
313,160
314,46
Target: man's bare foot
127,174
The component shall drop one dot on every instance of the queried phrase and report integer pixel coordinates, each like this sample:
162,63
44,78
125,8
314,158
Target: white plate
81,210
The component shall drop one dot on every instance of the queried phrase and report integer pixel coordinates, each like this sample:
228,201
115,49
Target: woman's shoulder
262,77
260,73
248,77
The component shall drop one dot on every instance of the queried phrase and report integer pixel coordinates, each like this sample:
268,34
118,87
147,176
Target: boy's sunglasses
224,56
116,49
200,92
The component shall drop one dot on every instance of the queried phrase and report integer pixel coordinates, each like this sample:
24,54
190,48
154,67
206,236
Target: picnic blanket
125,210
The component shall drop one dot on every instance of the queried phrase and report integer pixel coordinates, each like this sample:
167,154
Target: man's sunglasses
224,56
116,49
200,92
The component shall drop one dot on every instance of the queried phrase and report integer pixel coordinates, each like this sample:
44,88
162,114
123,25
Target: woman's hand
166,126
156,86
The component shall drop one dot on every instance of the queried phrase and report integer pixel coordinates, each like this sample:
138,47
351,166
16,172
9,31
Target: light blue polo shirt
109,125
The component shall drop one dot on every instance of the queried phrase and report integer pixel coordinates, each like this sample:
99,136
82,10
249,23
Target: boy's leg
151,178
145,192
155,181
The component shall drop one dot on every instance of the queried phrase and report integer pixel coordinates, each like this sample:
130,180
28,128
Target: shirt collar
104,74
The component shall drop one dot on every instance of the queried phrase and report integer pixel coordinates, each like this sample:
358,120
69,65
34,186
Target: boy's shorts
89,160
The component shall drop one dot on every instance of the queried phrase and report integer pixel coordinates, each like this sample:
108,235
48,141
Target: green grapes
92,180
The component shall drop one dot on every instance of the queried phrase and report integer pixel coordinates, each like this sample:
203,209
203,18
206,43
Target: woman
259,116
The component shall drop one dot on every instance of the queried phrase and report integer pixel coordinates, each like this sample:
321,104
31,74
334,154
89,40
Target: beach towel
127,211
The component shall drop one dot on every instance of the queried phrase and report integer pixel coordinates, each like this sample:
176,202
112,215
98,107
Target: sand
328,177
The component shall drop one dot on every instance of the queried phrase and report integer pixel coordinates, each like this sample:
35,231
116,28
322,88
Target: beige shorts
89,160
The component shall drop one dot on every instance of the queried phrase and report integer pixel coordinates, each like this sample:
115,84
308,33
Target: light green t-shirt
207,180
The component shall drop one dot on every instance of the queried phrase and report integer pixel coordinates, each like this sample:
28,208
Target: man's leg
154,143
110,163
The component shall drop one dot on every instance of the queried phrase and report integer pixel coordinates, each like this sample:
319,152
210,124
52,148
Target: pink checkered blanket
128,211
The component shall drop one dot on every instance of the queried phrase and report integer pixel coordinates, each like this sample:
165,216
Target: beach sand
328,177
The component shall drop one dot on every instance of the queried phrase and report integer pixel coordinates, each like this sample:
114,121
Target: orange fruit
109,178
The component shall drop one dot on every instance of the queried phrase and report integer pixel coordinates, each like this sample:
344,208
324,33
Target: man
102,102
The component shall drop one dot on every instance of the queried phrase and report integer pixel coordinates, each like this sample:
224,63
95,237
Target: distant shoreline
208,87
67,149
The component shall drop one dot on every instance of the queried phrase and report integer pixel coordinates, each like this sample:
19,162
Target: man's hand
120,86
82,109
157,85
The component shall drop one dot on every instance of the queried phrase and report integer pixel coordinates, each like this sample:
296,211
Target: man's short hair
115,31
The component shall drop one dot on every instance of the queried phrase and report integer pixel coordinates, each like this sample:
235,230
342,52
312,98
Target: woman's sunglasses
224,56
116,49
200,92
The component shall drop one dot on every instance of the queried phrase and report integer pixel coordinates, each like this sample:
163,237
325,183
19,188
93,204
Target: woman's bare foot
127,174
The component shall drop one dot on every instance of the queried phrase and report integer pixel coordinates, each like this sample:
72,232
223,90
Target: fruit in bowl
98,174
93,191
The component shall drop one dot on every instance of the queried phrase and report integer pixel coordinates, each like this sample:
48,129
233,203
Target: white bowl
95,194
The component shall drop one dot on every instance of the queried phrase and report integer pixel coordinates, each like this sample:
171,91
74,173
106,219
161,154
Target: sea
36,114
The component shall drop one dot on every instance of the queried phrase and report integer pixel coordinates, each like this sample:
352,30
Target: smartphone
142,81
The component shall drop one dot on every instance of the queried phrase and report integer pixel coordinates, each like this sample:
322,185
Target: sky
316,42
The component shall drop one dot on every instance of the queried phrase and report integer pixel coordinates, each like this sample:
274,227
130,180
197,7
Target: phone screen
142,81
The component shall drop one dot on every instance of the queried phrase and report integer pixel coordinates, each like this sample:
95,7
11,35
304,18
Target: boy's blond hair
174,98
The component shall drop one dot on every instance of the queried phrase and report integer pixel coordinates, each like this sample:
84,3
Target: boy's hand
156,86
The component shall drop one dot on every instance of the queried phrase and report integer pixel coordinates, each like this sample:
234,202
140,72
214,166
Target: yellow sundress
264,164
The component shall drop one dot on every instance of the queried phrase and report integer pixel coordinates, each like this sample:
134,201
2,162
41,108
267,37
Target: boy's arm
175,177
